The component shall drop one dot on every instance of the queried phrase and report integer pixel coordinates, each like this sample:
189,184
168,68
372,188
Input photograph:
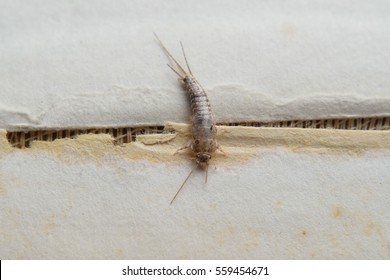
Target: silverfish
204,129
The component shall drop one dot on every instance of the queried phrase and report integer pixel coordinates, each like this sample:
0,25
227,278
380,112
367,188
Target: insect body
204,129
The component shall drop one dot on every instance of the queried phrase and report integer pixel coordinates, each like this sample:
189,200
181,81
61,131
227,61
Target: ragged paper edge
240,144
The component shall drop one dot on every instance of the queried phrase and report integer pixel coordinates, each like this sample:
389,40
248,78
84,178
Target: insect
204,130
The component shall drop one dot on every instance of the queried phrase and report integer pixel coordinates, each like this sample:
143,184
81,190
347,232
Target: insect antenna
185,57
171,56
207,172
184,183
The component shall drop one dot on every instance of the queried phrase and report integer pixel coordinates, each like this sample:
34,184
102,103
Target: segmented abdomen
203,126
200,106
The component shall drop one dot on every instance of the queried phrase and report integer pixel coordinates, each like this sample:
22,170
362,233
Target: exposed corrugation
375,123
23,139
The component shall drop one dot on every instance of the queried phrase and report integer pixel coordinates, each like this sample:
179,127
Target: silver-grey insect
204,130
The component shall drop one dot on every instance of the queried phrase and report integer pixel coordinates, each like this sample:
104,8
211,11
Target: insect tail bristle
173,69
171,56
182,185
185,57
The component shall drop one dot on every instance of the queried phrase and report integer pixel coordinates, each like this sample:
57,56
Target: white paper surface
95,63
88,199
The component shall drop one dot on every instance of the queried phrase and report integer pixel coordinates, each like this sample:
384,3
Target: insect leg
188,145
219,148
